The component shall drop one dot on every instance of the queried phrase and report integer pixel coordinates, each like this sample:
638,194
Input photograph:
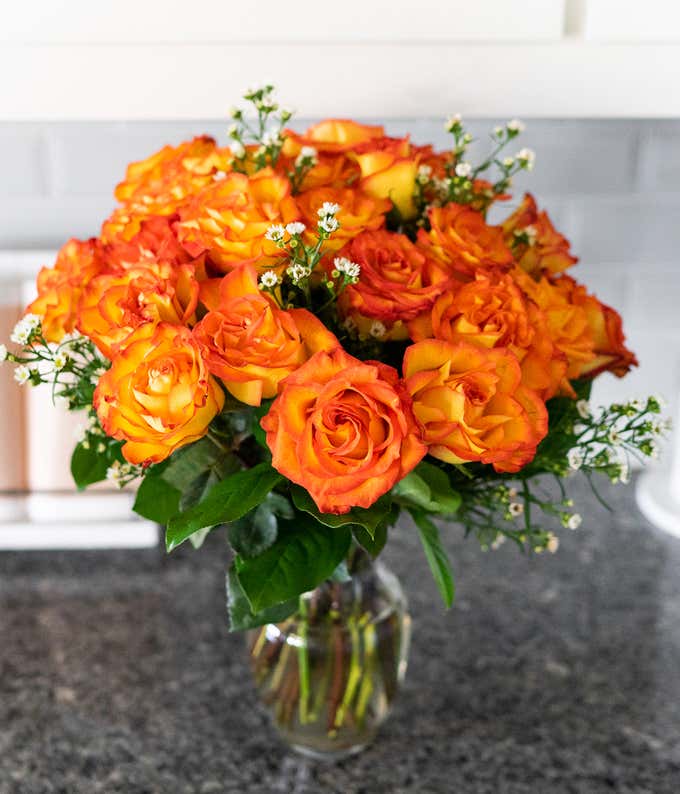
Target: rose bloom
537,245
158,395
492,311
397,283
228,220
60,287
606,326
334,136
251,344
568,324
114,304
163,182
344,430
155,242
472,404
358,212
461,239
388,171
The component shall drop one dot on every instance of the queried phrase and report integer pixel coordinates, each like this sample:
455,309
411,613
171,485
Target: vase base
328,756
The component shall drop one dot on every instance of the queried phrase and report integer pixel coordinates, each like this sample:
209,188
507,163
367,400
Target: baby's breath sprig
299,260
261,130
73,366
461,175
304,162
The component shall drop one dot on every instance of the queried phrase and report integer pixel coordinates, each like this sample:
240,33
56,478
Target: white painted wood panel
225,21
632,20
562,79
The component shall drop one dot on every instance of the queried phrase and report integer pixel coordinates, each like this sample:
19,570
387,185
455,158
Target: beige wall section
12,410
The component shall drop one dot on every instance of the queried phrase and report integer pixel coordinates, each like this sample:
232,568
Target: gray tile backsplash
613,187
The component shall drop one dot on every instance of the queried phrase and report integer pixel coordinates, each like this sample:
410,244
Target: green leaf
240,614
187,463
257,530
197,489
429,488
156,499
304,554
373,545
436,556
230,499
89,466
367,517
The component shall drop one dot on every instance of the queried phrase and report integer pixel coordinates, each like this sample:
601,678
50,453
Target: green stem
303,661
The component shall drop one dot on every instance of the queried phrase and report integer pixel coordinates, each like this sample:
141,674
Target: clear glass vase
329,674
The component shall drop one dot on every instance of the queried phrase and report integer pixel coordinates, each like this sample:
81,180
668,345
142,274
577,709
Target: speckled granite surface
552,674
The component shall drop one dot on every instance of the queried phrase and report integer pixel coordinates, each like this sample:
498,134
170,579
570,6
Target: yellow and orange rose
158,394
228,220
164,182
472,405
398,282
251,344
60,287
344,430
461,239
492,311
606,327
537,245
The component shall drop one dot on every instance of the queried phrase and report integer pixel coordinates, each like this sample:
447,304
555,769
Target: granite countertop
551,674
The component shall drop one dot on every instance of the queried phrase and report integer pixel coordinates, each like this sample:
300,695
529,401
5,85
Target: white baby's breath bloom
307,156
20,334
515,509
515,125
614,437
453,121
508,162
636,404
298,272
329,224
218,176
463,170
21,374
349,325
424,174
575,458
377,330
295,228
238,149
269,279
527,157
115,474
60,361
583,409
3,353
32,321
498,131
624,473
531,234
499,541
276,232
79,433
328,208
574,521
553,543
347,267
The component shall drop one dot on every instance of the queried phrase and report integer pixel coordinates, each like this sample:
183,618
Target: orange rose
388,171
229,219
568,324
251,344
60,287
155,242
606,327
472,405
358,212
113,305
461,239
162,183
344,430
334,136
492,311
398,282
158,395
537,245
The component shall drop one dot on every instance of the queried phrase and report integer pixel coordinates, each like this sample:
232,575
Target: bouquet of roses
301,335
